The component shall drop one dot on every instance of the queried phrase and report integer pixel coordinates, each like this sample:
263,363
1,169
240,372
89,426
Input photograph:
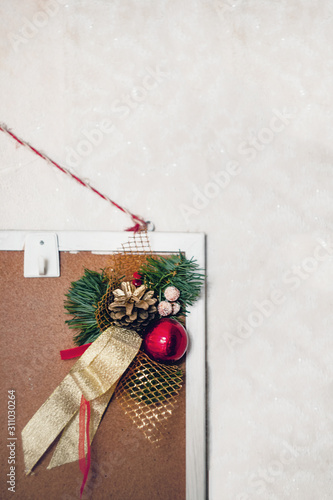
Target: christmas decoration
171,293
165,340
112,311
137,279
159,273
164,308
132,306
121,346
82,300
89,384
148,394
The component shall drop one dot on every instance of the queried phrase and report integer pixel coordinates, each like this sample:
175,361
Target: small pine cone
132,307
175,307
171,293
164,308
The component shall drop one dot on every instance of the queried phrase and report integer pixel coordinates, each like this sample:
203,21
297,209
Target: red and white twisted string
139,224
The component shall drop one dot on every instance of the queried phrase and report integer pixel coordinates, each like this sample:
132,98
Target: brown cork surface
125,465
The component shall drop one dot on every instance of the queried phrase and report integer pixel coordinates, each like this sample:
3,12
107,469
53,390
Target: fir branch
82,300
160,272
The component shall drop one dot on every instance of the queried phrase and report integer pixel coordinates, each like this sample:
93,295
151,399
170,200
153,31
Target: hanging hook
150,225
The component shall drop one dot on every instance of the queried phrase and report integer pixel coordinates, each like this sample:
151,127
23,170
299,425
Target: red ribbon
135,228
75,352
83,425
84,433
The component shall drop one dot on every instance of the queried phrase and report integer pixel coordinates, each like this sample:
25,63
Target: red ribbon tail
135,228
74,352
139,224
84,462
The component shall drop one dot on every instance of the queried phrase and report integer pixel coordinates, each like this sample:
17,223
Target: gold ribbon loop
95,375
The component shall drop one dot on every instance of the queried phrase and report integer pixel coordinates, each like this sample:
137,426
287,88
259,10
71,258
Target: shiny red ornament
165,340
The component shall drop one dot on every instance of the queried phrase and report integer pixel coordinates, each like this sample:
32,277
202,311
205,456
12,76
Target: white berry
175,308
164,308
171,293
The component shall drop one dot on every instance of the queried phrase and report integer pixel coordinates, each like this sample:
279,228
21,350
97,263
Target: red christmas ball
165,340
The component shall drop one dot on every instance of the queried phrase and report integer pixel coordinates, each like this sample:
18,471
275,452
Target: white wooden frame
193,245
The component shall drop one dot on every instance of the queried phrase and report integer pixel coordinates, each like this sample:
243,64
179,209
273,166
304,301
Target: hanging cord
139,224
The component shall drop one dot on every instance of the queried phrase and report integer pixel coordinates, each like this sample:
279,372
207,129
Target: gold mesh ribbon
148,392
121,268
95,376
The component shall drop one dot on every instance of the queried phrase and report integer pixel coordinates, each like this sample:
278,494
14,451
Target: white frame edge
193,244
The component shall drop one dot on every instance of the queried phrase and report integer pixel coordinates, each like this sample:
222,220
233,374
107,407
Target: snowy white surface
239,108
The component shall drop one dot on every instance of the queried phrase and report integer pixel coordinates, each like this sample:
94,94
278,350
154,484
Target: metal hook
150,225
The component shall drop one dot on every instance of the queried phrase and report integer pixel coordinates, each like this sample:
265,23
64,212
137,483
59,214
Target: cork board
125,465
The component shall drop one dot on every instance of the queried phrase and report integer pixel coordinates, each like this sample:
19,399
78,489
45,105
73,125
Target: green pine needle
160,272
82,300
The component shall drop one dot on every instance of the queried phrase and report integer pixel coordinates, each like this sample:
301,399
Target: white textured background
225,73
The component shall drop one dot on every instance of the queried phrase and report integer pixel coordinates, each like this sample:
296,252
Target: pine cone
132,307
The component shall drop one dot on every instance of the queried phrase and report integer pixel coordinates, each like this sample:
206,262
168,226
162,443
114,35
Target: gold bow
95,376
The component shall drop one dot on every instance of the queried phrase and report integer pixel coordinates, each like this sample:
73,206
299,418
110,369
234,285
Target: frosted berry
171,293
164,308
175,308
